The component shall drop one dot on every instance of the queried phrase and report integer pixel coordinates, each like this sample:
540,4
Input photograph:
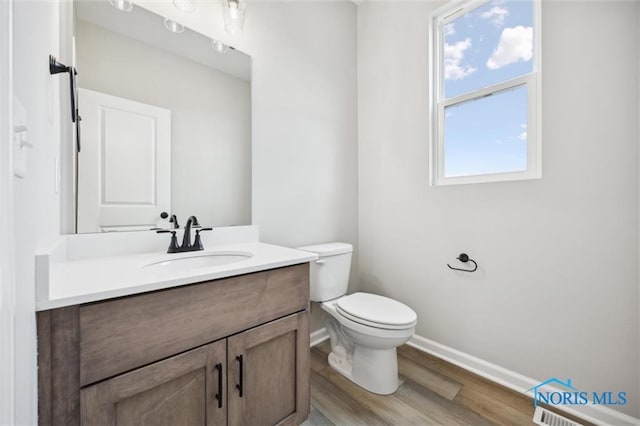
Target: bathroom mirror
166,122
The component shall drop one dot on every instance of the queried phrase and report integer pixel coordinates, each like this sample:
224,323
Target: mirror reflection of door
125,164
131,67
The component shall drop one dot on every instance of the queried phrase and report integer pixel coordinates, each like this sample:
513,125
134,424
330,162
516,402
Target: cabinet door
187,389
269,373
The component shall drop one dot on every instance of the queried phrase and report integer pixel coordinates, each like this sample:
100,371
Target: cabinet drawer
123,334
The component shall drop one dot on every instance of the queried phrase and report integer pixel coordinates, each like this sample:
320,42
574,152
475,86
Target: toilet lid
376,310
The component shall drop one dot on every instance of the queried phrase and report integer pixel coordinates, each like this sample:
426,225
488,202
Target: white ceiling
147,27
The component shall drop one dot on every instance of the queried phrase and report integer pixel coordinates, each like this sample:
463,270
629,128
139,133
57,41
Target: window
485,100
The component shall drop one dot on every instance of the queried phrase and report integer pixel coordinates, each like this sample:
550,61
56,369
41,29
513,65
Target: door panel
179,401
128,145
124,168
273,373
271,370
179,390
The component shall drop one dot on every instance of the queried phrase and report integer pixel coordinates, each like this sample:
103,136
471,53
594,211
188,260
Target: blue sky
491,44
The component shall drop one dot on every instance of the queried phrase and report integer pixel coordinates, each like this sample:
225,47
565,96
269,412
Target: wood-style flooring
433,392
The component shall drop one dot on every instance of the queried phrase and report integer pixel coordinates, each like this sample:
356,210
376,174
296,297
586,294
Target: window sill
497,177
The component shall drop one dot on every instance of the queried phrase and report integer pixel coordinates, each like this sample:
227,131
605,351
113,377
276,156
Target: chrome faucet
186,238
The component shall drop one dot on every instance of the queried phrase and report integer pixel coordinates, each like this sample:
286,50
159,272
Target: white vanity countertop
72,282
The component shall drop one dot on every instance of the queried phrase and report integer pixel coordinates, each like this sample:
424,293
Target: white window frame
438,103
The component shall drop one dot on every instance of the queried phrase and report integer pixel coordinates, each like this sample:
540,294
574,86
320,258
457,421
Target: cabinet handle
219,394
240,360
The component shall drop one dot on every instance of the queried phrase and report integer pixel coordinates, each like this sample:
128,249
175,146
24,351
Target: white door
124,166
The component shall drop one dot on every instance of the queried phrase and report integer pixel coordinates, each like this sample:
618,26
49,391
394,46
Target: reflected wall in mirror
166,123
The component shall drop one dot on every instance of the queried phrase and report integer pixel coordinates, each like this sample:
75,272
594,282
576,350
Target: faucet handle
198,242
173,245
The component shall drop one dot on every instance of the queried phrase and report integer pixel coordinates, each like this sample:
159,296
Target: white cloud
515,45
453,56
450,29
523,136
496,15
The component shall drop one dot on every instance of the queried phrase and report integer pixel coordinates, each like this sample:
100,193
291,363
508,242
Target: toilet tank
329,275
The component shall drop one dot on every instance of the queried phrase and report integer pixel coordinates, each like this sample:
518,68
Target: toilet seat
376,311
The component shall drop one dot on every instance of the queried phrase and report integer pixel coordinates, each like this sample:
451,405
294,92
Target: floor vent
545,417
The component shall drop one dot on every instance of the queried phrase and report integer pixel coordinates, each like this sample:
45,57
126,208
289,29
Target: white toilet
364,328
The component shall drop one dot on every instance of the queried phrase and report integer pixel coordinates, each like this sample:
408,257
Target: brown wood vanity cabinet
233,351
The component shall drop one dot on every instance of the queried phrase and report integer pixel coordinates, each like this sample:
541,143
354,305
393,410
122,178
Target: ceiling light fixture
233,13
173,26
219,46
188,6
123,5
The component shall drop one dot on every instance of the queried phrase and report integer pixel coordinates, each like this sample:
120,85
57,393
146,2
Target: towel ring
464,258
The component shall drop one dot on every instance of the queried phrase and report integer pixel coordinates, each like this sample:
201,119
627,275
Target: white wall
210,119
305,187
304,136
557,289
7,284
36,205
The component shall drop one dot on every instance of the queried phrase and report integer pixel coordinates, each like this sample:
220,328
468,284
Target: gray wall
557,289
210,119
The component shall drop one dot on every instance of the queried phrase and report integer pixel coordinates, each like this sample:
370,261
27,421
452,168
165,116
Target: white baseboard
319,336
594,413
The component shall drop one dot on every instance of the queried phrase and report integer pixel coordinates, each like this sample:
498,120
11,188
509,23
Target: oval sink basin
203,260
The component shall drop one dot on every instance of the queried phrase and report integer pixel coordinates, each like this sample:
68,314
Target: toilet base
375,370
341,365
